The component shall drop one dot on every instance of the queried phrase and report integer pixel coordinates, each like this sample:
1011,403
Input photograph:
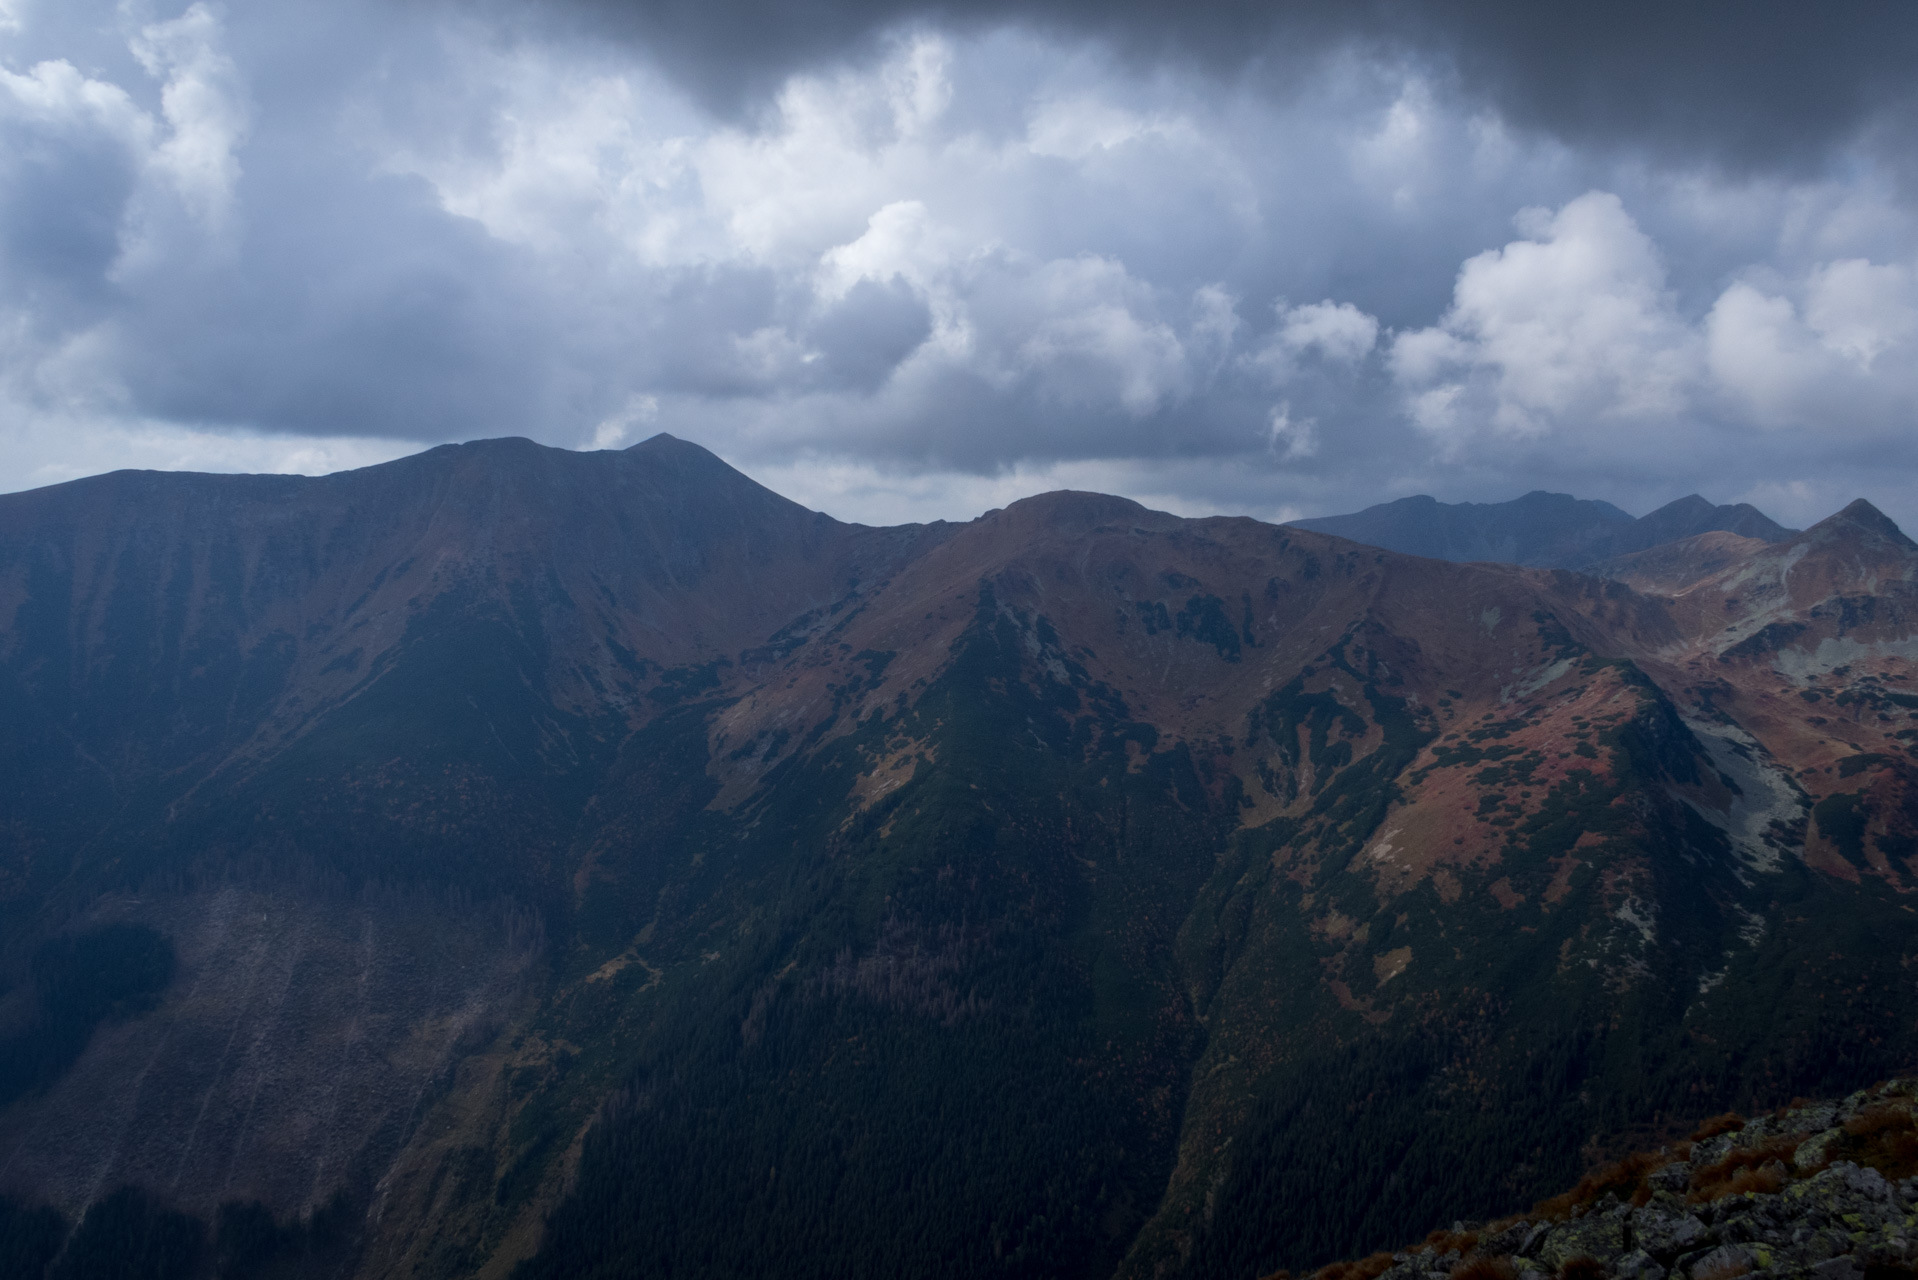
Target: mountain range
515,862
1542,530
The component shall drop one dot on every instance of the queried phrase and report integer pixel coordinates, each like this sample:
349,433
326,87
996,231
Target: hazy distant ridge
1544,530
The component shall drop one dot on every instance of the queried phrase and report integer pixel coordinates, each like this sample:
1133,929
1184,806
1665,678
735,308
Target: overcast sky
903,262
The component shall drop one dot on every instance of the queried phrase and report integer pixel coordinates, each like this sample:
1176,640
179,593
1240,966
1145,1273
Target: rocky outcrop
1819,1189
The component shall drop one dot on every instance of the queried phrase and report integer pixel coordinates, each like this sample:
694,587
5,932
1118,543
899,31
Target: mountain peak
1692,504
1861,515
666,442
1073,509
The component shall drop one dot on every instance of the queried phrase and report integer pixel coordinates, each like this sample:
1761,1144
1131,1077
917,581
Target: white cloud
901,239
44,449
1840,357
1291,439
204,105
57,98
1571,325
1860,309
1336,330
1085,332
628,425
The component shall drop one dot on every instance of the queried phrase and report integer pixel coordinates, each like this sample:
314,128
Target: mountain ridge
1540,529
1037,895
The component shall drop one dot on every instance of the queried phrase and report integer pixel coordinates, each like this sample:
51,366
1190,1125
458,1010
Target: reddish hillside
1079,865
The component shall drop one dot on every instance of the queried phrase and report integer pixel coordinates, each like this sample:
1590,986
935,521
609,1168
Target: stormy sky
905,261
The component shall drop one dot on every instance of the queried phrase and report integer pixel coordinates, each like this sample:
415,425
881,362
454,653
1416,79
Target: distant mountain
1687,517
517,862
1546,530
1538,529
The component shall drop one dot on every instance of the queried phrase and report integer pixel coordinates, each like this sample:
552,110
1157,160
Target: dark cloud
1743,83
61,203
864,336
1279,259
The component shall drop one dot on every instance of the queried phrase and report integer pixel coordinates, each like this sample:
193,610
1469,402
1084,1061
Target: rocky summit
1814,1189
523,863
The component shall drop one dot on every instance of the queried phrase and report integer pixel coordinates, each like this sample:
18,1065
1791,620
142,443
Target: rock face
1825,1190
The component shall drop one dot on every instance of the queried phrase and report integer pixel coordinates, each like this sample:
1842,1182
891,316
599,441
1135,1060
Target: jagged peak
1861,516
666,442
1691,502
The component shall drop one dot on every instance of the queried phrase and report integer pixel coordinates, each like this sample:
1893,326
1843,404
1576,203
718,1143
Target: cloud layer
922,261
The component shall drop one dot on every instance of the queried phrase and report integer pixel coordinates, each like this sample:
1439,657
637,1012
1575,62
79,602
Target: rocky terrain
514,862
1814,1189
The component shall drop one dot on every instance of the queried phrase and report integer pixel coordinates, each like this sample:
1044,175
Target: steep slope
331,739
1078,891
1801,654
1545,530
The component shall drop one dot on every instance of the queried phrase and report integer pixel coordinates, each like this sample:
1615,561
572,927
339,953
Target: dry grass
1716,1125
1755,1168
1364,1269
1624,1178
1479,1268
1882,1137
1446,1241
1878,1119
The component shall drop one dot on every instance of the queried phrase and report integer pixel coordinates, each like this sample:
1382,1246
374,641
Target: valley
594,864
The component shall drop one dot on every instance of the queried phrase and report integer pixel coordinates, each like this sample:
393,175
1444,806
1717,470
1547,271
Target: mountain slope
1078,891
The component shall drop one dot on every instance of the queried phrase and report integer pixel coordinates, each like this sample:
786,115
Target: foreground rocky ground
1823,1189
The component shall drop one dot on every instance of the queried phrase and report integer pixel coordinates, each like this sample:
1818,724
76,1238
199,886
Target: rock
1711,1150
1821,1246
1511,1240
1666,1235
1599,1236
1638,1265
1831,1220
1865,1182
1839,1268
1672,1178
1725,1260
